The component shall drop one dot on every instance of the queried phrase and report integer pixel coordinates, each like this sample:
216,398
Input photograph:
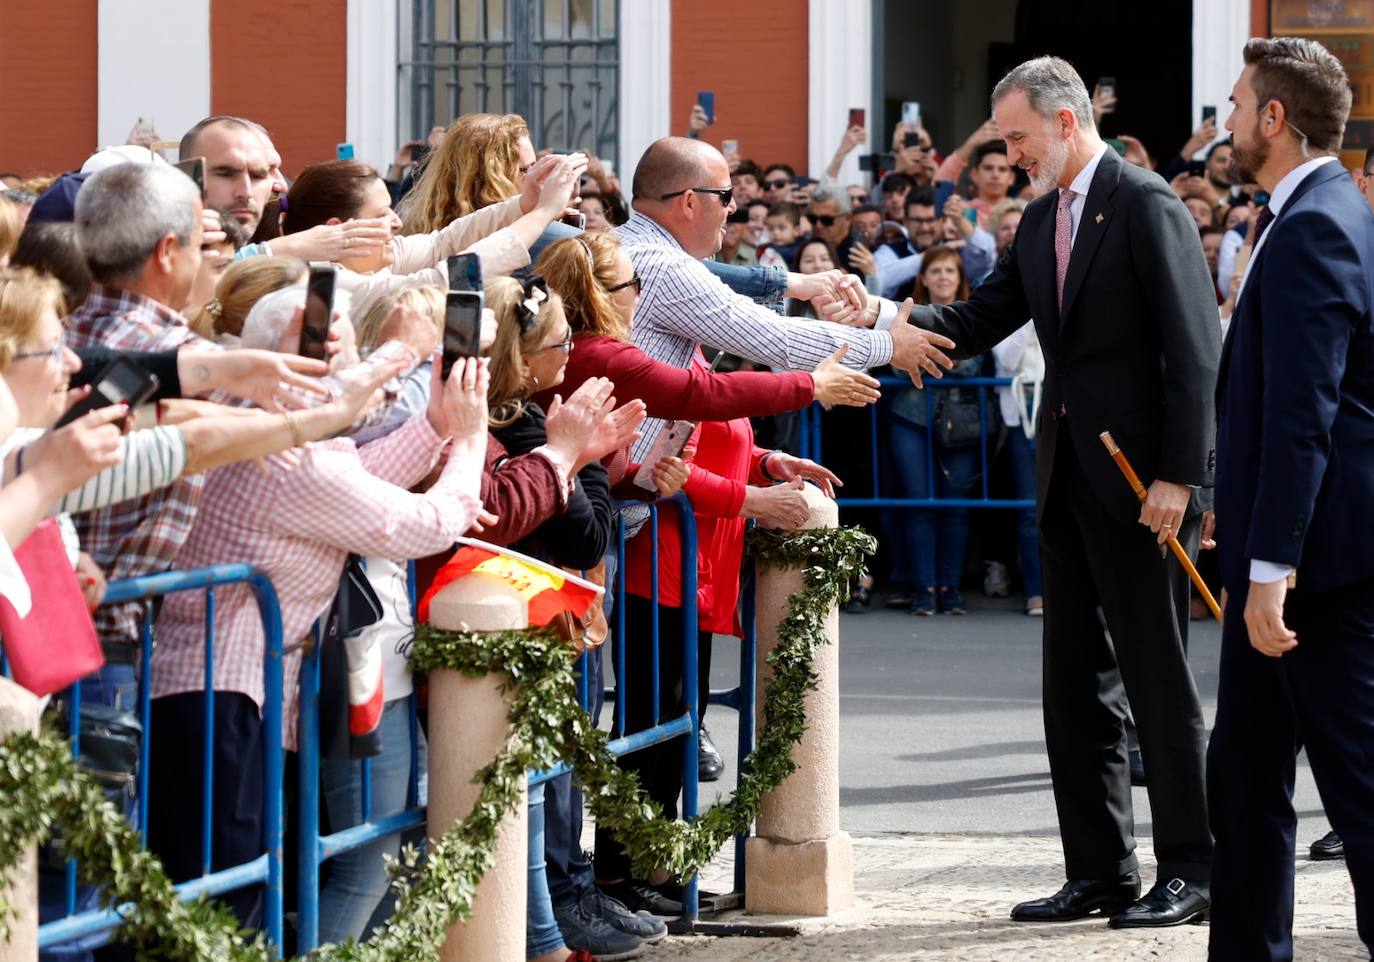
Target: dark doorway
949,57
1147,47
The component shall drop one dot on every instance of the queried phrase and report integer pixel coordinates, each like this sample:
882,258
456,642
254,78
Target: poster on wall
1300,17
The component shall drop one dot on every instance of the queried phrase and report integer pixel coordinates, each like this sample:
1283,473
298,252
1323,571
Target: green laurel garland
44,790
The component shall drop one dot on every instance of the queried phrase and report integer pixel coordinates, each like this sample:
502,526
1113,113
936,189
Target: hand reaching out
787,467
836,384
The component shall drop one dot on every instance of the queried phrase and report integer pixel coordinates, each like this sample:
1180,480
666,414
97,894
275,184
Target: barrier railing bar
207,778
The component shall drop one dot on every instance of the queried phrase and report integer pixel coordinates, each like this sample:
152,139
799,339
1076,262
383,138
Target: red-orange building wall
283,63
47,85
754,57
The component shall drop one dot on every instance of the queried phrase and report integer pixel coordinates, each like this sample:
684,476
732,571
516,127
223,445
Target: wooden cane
1133,479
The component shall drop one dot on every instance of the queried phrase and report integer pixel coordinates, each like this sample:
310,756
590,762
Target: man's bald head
672,164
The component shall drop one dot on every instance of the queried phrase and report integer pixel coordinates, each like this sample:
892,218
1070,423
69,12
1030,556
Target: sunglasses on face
776,184
825,220
858,198
634,282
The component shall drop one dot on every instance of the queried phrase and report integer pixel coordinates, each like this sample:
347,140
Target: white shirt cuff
1266,572
887,313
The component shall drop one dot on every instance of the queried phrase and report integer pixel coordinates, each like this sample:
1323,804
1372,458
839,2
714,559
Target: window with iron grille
553,62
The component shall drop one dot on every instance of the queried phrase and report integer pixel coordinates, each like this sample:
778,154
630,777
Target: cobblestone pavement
946,897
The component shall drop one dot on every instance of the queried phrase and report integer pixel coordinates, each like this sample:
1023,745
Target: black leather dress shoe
710,766
1174,902
1079,899
1137,768
1327,847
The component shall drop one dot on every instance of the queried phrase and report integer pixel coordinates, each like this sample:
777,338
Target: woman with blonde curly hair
481,161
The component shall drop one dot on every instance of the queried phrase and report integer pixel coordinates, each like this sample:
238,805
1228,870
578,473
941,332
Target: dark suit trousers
1090,558
1319,695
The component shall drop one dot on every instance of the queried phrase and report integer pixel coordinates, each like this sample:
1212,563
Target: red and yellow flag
546,589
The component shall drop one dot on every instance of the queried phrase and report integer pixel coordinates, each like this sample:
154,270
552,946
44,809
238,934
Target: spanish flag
546,589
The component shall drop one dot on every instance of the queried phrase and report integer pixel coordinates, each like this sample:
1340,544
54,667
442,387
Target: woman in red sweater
730,481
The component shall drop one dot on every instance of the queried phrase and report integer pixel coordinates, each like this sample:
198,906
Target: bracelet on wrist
763,466
296,439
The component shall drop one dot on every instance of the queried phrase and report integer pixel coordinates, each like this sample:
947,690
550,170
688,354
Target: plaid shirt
297,525
141,536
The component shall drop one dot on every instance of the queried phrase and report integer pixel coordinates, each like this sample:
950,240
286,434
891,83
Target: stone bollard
19,710
467,729
800,863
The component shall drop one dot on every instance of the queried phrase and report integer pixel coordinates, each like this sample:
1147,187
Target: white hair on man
840,197
124,212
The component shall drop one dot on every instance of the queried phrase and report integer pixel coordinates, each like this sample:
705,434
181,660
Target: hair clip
214,308
536,293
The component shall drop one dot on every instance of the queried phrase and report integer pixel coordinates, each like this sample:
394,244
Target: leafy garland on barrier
44,789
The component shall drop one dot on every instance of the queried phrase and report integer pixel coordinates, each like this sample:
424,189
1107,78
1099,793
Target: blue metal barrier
314,849
267,868
813,446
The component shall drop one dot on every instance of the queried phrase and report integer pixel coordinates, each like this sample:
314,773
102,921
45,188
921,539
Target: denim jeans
358,879
569,874
1021,451
541,930
935,539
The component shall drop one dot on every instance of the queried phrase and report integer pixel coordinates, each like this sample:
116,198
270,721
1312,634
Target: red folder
56,644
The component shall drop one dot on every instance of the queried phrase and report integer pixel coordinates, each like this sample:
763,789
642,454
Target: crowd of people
607,315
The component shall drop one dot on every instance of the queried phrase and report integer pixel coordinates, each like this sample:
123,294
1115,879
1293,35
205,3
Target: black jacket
1137,348
578,537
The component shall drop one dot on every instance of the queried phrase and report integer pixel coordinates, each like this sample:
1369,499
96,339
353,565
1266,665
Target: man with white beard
1109,265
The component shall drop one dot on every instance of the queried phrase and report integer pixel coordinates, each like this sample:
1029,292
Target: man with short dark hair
238,168
894,192
991,177
747,180
1294,490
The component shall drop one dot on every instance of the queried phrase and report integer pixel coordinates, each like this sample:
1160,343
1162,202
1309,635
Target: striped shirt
683,305
151,459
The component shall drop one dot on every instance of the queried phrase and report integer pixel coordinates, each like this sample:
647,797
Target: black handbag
356,606
958,419
111,743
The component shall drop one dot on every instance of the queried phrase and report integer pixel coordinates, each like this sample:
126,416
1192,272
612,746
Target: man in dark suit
1294,506
1109,265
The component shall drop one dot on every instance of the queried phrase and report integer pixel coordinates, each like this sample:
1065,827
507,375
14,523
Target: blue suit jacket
1295,396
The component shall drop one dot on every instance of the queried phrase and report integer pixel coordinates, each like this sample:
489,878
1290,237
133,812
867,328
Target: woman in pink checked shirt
297,523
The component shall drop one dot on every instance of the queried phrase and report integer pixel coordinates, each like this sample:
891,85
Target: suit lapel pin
1098,218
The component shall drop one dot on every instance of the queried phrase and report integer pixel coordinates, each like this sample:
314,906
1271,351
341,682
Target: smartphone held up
319,311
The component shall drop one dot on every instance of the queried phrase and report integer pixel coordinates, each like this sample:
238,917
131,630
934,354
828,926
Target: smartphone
1209,113
856,116
911,113
944,190
578,220
465,273
669,444
729,147
1107,85
462,328
857,235
706,100
195,169
343,152
419,153
1197,168
120,380
911,139
1261,198
971,215
1117,145
876,162
319,310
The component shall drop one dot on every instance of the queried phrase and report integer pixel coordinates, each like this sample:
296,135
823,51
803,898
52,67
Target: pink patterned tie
1063,240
